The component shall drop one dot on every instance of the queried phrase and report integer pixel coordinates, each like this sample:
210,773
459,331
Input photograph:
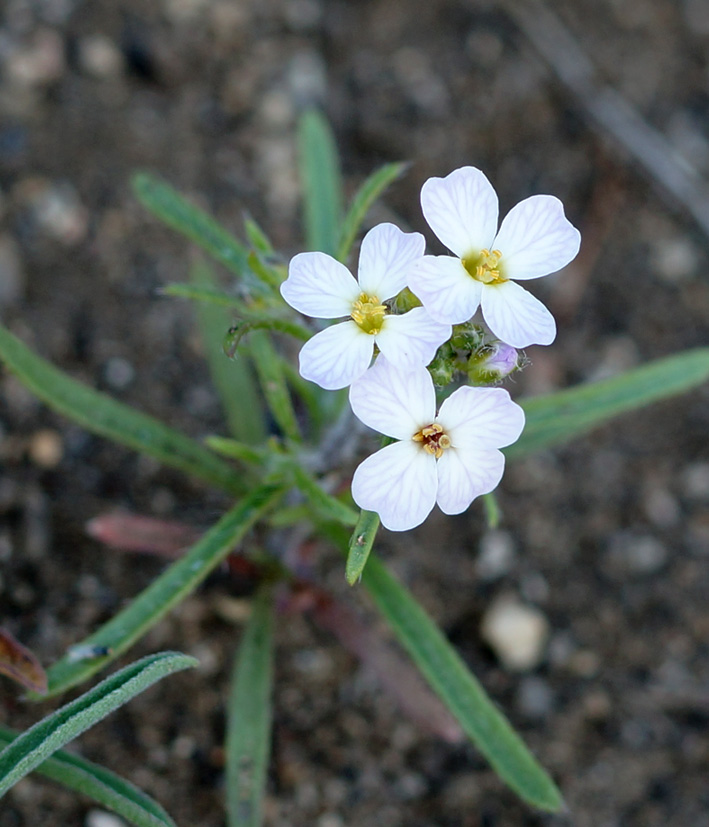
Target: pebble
56,208
99,57
675,259
39,63
46,448
497,555
100,818
661,507
535,697
118,373
630,553
12,274
517,633
695,481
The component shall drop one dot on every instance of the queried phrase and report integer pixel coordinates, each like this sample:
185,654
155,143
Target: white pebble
516,633
497,555
100,818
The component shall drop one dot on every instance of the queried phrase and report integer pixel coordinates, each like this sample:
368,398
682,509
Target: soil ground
608,537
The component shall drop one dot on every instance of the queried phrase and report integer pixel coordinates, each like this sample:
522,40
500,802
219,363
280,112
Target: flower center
368,314
485,267
434,440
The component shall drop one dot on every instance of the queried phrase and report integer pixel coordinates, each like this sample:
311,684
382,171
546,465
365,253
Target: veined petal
399,483
465,475
411,340
461,209
481,418
337,356
536,238
386,258
445,288
392,401
516,316
319,286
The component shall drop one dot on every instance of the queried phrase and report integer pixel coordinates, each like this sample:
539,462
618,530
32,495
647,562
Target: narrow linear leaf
364,199
101,785
257,237
38,743
195,224
237,450
360,545
171,587
327,506
106,417
460,690
221,299
492,510
249,717
321,182
558,417
273,383
232,378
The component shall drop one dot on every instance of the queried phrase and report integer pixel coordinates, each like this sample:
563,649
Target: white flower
535,239
319,286
449,458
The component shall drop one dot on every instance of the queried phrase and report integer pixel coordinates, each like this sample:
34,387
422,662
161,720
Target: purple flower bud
498,362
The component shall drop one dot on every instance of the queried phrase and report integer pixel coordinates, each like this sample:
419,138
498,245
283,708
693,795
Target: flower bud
494,364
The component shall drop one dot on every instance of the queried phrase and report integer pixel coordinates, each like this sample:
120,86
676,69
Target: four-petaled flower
535,239
321,287
447,458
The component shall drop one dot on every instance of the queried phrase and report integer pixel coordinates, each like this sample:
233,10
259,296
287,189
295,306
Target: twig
608,111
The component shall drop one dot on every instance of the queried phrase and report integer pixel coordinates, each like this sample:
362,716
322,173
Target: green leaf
558,417
253,318
237,450
102,415
258,238
325,505
321,182
249,717
460,691
189,220
492,510
365,197
232,378
273,383
101,785
38,743
360,545
172,586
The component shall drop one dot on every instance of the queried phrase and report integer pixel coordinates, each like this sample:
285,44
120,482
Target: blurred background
603,103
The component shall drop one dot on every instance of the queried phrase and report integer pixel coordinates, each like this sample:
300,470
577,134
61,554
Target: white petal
481,418
445,288
465,475
515,316
399,483
319,286
386,259
461,209
392,401
337,356
411,340
536,238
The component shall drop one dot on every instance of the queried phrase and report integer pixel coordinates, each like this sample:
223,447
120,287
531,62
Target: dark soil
609,537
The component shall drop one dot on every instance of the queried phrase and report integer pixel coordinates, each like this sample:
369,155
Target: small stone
630,553
56,208
12,275
46,448
307,78
695,481
661,507
516,633
497,555
535,697
676,259
39,63
118,373
100,57
302,15
100,818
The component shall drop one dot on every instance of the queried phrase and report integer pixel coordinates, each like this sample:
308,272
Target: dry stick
609,112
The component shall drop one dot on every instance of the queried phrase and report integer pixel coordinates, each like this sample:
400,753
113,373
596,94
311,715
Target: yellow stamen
368,314
485,267
434,440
